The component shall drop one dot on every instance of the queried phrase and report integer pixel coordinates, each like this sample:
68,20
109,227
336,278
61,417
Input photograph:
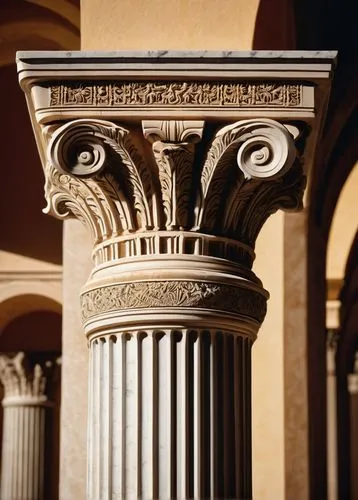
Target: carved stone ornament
182,94
96,172
352,379
21,379
164,155
164,294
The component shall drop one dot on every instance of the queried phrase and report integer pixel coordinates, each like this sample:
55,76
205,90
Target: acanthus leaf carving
285,193
97,173
245,151
173,145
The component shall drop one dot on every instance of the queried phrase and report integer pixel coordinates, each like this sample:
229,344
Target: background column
24,414
353,393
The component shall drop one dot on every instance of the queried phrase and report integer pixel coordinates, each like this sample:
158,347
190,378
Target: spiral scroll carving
94,173
267,150
79,152
243,158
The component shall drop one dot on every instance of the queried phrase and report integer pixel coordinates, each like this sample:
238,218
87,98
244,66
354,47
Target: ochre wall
76,269
344,227
267,362
168,24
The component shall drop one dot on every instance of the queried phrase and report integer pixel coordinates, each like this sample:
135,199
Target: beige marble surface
77,265
267,369
295,358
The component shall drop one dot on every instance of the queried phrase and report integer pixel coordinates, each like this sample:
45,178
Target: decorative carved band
163,294
177,94
172,243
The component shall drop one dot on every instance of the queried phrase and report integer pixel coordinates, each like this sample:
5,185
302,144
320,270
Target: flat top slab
165,64
161,84
229,56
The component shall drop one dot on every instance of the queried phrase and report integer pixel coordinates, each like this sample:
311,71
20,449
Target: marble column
24,413
332,340
174,173
353,403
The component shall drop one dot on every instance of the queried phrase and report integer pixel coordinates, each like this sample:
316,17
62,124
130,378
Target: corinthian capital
154,158
23,380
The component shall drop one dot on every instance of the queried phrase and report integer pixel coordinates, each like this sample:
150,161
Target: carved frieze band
177,94
163,294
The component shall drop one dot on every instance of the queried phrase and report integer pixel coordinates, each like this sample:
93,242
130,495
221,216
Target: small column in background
23,445
353,392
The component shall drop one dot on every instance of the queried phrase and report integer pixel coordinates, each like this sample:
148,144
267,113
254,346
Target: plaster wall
267,362
168,24
10,261
344,227
73,450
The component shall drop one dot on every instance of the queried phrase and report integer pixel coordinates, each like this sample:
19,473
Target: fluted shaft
24,413
170,415
22,474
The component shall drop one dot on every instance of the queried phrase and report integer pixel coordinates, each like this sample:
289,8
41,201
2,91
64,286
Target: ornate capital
353,383
23,380
227,133
99,172
352,379
174,162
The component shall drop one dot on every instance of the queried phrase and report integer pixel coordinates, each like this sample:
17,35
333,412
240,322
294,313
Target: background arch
20,299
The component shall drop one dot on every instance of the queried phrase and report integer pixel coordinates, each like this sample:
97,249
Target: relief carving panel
177,94
163,294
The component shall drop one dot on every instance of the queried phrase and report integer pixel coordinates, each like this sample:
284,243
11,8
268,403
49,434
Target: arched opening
336,158
37,331
31,242
29,27
301,26
32,324
340,350
347,348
